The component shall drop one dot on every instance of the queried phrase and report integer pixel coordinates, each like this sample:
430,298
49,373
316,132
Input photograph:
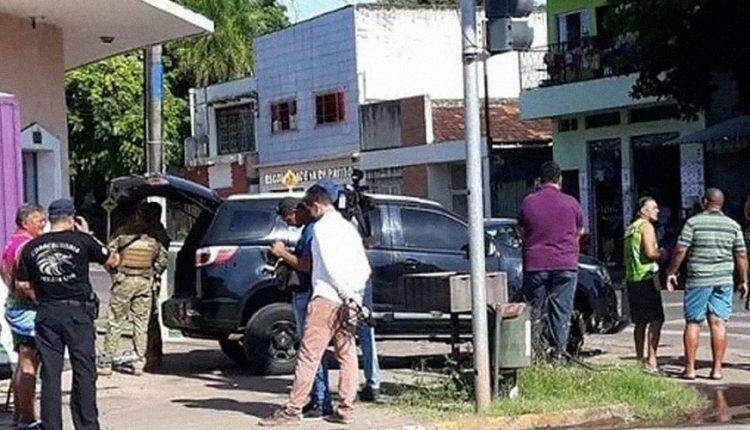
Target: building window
656,113
235,129
330,108
284,116
603,120
567,124
385,181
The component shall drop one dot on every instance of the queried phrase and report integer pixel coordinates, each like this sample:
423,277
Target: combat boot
104,370
137,368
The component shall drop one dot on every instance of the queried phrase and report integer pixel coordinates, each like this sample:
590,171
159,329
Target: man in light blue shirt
295,214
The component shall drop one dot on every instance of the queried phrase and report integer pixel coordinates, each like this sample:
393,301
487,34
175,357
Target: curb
570,418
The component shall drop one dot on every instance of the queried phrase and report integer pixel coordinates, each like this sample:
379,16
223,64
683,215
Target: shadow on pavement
219,372
679,361
256,409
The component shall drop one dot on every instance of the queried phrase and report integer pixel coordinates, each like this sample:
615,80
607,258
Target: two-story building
332,93
614,148
39,41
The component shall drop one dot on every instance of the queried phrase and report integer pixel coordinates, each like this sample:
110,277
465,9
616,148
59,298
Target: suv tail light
214,255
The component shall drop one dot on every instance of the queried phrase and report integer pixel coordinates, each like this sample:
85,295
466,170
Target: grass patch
654,400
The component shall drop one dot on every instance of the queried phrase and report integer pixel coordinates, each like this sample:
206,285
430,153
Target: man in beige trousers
340,271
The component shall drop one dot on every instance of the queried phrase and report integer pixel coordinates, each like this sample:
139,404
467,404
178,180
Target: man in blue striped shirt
714,246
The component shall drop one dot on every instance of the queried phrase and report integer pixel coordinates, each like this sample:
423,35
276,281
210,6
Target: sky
298,10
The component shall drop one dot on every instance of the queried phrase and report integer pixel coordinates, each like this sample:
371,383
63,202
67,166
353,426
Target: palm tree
228,52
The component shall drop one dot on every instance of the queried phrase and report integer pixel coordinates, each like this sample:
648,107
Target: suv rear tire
271,340
234,350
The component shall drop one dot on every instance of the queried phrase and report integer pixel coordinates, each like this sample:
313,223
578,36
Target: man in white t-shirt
340,271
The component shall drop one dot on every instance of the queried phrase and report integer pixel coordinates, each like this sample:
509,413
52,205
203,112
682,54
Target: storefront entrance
606,224
726,168
656,173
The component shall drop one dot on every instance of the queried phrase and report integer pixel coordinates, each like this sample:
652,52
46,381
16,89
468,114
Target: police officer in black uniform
54,270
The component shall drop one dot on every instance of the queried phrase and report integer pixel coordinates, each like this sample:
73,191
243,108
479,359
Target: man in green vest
142,257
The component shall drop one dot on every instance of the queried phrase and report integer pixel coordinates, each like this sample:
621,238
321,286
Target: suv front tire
271,340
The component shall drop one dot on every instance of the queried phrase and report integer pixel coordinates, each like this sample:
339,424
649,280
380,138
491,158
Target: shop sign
343,173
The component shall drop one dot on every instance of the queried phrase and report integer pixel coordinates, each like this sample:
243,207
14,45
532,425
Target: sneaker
279,418
312,411
369,394
104,370
337,418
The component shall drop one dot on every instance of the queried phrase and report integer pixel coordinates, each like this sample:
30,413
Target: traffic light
503,32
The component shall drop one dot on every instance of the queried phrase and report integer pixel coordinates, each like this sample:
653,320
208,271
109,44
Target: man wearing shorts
714,246
20,314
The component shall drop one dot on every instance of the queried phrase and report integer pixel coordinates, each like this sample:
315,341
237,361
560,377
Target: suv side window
242,221
376,226
426,229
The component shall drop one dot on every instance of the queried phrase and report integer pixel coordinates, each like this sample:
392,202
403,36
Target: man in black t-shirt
54,270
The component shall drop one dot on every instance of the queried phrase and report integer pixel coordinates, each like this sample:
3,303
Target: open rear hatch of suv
133,189
127,192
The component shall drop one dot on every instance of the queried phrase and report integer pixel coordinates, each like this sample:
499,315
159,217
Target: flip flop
655,372
717,376
687,377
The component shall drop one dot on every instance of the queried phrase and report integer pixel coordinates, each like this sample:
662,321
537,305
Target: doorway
656,173
605,165
30,177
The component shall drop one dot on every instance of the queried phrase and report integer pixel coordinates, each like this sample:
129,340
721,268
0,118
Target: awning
97,29
731,129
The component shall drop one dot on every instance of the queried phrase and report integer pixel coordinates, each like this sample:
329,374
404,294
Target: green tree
680,46
105,124
228,52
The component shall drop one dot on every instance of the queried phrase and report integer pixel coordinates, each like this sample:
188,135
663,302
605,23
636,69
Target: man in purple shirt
552,224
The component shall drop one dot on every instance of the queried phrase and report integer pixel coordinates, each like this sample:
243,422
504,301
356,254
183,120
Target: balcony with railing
590,74
568,62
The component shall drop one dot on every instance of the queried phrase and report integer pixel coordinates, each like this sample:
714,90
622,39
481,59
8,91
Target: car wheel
271,341
234,350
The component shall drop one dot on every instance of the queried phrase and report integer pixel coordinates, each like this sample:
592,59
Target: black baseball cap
286,205
61,207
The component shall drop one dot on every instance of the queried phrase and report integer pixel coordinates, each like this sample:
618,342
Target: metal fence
568,62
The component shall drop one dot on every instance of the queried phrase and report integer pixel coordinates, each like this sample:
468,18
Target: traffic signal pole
472,53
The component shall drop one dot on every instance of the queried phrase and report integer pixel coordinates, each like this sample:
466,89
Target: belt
64,303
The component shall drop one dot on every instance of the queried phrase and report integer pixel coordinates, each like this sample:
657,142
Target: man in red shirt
552,224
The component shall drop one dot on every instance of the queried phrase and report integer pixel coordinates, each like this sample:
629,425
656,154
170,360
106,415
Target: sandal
717,376
688,376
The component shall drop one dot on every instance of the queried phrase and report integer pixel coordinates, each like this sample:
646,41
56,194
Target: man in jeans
714,246
552,224
295,214
339,273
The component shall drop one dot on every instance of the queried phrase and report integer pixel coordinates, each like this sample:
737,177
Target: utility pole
472,53
152,86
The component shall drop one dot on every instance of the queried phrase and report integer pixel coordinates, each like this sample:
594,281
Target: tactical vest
140,254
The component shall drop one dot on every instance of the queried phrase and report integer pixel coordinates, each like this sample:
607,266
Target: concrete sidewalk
200,389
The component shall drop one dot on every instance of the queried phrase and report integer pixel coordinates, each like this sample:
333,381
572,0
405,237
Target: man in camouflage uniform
141,258
150,214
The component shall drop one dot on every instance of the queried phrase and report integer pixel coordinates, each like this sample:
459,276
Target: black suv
221,290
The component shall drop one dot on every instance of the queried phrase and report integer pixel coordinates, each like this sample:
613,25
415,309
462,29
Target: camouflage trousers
129,294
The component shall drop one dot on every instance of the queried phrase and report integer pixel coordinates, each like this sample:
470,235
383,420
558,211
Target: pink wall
10,166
